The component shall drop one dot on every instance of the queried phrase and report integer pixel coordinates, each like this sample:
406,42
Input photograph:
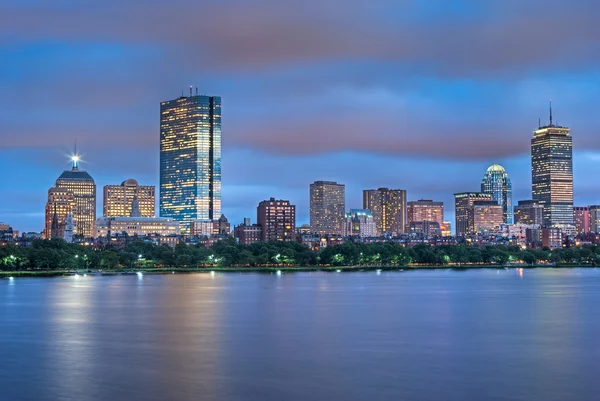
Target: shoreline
270,270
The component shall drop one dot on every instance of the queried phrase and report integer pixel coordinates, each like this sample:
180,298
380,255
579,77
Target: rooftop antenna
196,91
190,90
551,112
75,157
539,123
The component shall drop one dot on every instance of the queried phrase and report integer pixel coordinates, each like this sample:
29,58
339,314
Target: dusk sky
420,95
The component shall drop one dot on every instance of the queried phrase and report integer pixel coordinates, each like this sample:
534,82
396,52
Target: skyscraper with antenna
552,172
74,194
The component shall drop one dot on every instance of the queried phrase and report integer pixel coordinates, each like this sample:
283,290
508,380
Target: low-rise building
360,223
551,237
136,226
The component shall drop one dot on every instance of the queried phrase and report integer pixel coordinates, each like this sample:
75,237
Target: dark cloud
238,35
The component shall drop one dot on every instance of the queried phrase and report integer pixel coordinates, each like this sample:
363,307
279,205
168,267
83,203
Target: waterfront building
327,207
277,219
73,193
529,212
551,237
359,223
517,231
462,202
69,231
119,199
219,227
60,204
552,173
446,229
425,210
484,216
581,219
247,233
388,208
108,227
190,159
425,227
496,183
595,219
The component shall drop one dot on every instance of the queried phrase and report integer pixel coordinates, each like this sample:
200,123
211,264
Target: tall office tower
190,158
388,207
462,202
59,206
529,212
119,199
552,172
496,183
595,219
327,207
425,210
277,219
484,216
581,219
82,188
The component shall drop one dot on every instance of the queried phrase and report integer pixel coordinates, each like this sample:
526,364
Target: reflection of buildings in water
71,340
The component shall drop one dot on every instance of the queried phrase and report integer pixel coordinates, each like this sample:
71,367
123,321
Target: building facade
595,219
73,193
552,173
446,229
59,206
190,159
277,219
425,210
119,199
581,219
484,216
529,212
551,237
327,207
425,227
462,202
496,183
388,208
248,234
220,227
359,223
108,227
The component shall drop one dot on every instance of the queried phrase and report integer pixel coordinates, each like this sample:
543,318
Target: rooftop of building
496,168
75,174
137,219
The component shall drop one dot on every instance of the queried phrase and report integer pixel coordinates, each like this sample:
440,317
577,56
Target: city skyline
299,102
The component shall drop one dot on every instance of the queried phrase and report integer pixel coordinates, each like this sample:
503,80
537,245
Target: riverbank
267,270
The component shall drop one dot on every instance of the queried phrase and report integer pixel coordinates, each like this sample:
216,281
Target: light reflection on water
422,335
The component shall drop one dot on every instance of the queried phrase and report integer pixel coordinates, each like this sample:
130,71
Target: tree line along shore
57,255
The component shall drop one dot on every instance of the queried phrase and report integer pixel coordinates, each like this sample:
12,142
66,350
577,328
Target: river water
418,335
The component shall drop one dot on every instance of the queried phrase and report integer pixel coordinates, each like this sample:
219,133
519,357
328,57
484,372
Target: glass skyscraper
496,183
552,173
190,159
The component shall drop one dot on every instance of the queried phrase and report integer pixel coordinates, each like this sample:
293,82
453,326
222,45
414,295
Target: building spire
75,158
551,112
